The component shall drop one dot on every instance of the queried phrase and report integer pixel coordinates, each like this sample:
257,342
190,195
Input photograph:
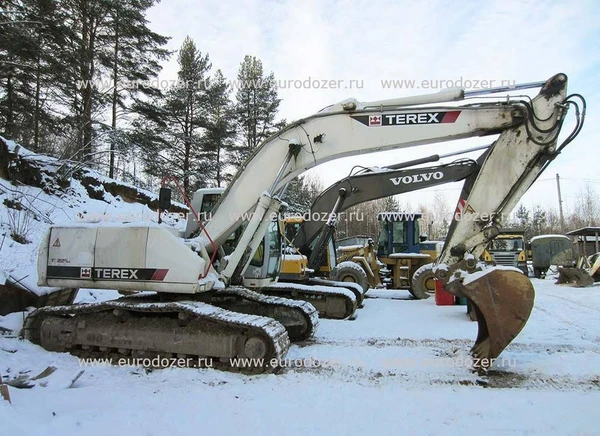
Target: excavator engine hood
118,257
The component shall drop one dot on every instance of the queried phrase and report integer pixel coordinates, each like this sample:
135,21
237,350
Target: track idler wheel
256,348
502,300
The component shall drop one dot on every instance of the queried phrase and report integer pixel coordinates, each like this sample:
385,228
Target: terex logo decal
406,119
424,177
116,273
94,273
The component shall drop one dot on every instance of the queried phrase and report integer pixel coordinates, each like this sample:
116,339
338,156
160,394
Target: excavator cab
291,226
400,233
325,262
293,264
264,267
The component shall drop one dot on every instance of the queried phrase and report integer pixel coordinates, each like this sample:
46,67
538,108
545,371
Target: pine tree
524,220
17,68
256,106
52,91
522,216
172,139
90,17
51,81
220,129
54,54
301,192
538,223
130,52
390,204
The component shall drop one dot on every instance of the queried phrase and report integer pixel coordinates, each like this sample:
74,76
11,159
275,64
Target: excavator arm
501,299
372,184
352,128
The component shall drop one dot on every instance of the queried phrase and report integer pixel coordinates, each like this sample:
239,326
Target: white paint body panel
108,250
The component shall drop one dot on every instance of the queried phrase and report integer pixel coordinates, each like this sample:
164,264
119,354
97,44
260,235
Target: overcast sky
368,41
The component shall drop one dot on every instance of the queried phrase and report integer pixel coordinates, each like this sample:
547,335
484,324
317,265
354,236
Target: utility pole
560,207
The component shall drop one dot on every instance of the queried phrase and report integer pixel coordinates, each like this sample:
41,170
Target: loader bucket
574,276
502,300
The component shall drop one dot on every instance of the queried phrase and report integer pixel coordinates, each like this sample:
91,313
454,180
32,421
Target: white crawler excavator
198,311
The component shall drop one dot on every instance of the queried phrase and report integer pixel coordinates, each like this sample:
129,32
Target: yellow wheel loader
399,248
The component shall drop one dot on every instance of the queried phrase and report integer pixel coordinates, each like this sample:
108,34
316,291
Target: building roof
511,231
585,231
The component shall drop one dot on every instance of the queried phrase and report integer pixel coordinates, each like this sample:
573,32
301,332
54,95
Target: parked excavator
315,238
199,311
332,299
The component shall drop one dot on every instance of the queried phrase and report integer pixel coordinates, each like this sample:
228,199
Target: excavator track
331,302
299,318
355,288
135,330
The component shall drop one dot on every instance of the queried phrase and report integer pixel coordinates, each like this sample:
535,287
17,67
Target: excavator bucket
502,300
577,277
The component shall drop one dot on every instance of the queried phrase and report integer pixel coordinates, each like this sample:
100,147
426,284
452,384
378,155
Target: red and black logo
92,273
374,120
407,119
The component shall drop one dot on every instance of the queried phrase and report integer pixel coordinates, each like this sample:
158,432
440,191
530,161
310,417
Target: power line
571,179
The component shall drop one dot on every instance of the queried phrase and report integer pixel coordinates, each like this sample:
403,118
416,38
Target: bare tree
552,221
437,217
588,208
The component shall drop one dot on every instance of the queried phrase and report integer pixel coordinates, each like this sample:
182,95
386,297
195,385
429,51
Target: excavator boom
373,184
502,299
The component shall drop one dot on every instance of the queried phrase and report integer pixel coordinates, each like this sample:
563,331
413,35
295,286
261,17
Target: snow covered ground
401,367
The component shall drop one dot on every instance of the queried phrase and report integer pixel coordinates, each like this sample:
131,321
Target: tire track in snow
459,377
516,380
581,329
448,350
445,344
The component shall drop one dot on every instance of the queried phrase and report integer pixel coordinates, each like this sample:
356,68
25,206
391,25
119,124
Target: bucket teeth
502,300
